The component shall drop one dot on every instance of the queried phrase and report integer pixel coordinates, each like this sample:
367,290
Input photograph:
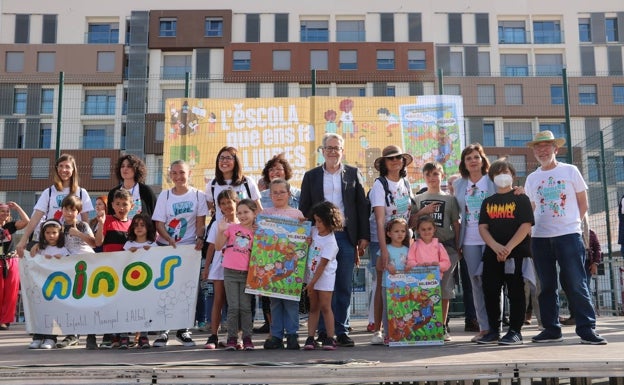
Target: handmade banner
278,257
415,307
153,289
430,127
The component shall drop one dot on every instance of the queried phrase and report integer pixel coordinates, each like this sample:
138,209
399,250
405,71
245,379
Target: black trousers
494,278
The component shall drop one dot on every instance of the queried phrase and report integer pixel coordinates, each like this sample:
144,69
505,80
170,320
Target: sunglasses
396,157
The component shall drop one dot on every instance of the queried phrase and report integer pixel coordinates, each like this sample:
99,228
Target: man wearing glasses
343,186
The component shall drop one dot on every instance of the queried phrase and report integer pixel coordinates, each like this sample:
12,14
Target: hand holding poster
278,257
116,292
414,301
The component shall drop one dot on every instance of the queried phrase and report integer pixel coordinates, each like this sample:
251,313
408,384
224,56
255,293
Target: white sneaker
35,344
377,338
48,344
161,341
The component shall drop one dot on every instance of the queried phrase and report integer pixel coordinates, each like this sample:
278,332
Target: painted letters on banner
153,289
278,257
415,307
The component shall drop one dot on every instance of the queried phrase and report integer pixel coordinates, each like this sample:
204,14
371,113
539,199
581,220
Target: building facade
120,64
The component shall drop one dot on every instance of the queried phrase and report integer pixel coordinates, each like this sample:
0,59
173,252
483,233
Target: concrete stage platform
457,362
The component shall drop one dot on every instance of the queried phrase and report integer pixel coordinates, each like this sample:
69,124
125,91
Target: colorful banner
153,289
278,257
429,127
415,307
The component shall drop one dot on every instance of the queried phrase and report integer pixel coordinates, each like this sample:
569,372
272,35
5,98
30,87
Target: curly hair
149,226
329,214
140,170
277,159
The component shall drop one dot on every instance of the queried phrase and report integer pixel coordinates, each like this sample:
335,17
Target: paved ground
457,360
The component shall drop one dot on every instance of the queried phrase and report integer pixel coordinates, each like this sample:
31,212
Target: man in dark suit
342,185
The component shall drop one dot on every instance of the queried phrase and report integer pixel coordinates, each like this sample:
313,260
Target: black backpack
388,193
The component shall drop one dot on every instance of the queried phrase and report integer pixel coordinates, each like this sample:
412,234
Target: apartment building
121,61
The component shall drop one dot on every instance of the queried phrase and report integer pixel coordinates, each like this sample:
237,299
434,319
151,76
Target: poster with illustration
415,307
278,257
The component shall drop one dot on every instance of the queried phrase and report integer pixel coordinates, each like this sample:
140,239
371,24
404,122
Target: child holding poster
51,245
321,272
285,312
235,239
397,241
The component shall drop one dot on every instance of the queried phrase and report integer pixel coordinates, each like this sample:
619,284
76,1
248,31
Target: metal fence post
59,114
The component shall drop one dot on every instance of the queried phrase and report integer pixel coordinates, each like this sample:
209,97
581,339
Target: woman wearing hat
390,198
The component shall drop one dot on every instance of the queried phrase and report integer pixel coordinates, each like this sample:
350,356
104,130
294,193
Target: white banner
119,292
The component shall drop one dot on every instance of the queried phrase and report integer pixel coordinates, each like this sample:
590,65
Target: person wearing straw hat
391,198
558,195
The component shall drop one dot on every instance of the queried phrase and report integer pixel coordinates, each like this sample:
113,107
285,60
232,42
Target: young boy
79,239
444,210
285,313
505,225
112,234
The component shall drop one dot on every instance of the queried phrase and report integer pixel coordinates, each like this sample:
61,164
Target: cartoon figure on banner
320,159
212,123
364,145
391,119
330,118
346,118
445,146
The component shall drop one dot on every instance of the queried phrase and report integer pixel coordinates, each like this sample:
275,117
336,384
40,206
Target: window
548,64
386,21
455,28
416,59
176,66
167,27
105,61
482,22
519,162
390,91
347,60
456,62
213,27
103,33
252,90
314,30
170,93
517,134
414,21
416,88
611,25
99,102
556,94
486,95
619,168
514,65
452,89
40,168
45,135
94,137
281,60
242,61
305,92
14,62
48,33
22,29
350,30
350,91
385,60
512,32
281,27
319,60
483,61
101,168
280,90
587,94
593,169
546,32
489,135
558,129
20,96
160,131
584,30
252,27
46,61
513,94
8,168
618,94
47,101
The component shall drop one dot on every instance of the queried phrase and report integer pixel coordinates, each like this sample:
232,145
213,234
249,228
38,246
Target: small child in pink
427,251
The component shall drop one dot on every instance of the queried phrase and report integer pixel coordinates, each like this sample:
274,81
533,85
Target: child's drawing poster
415,307
278,257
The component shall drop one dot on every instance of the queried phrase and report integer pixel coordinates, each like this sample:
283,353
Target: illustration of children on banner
415,307
278,257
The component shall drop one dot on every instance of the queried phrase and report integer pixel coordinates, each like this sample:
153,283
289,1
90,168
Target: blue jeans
341,300
567,251
473,254
284,315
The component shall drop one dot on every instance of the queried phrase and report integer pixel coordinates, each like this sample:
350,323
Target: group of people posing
487,222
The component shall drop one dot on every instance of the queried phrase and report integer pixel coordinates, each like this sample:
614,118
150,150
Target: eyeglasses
276,169
396,157
332,149
226,158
